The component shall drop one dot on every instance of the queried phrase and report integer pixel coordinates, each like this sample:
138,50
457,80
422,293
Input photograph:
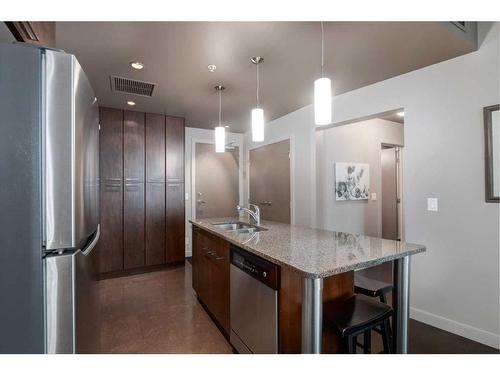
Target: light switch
374,196
432,204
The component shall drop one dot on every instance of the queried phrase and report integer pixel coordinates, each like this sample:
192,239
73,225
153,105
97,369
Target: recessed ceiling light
226,126
137,65
212,68
401,114
130,102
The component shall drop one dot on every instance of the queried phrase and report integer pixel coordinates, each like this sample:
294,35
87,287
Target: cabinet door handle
155,180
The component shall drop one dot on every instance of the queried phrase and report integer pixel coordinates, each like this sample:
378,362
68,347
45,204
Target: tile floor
158,313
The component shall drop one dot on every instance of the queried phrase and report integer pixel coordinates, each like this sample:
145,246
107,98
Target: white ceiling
176,55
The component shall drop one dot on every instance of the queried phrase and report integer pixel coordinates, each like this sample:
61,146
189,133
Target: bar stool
371,288
359,315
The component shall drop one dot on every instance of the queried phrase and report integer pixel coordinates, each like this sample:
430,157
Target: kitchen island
316,258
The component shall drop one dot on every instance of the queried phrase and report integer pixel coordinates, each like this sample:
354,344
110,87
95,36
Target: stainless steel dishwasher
254,303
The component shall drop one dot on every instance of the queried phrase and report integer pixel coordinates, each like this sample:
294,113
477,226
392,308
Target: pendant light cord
220,108
322,49
258,84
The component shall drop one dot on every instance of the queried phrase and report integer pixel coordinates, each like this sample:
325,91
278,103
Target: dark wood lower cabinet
175,223
335,288
133,226
211,276
218,270
155,223
200,275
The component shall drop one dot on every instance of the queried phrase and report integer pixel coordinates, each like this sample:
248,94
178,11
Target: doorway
216,181
269,181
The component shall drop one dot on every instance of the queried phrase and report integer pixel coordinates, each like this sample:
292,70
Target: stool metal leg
386,338
351,344
401,300
383,299
367,342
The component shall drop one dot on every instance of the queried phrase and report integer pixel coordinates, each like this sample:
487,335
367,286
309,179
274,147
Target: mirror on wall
492,152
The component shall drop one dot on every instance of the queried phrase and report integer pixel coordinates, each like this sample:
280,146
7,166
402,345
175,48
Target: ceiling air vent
460,24
27,29
132,86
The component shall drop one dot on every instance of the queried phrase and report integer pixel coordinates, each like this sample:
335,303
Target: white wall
358,142
455,284
295,126
193,136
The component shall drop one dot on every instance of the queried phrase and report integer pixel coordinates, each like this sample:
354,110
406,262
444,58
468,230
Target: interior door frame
192,137
400,188
268,142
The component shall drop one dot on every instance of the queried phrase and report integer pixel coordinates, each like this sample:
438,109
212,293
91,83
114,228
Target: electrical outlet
186,196
374,196
432,204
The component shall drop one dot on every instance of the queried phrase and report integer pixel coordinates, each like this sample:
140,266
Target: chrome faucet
254,214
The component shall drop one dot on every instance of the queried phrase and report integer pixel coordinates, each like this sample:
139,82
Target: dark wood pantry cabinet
110,244
142,191
133,196
155,190
155,224
175,222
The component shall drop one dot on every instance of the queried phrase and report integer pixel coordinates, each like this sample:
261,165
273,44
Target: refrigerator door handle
92,244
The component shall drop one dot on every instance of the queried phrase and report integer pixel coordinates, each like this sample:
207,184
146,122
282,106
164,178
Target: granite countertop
312,252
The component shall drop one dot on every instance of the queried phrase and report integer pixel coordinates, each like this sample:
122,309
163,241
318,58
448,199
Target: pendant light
257,113
322,93
220,131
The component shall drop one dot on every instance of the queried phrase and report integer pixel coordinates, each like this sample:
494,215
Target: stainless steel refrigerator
49,196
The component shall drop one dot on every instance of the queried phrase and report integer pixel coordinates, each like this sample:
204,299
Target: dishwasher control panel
257,267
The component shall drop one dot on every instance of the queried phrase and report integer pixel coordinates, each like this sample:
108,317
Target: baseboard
464,330
139,270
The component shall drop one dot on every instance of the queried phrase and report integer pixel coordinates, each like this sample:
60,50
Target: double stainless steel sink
239,227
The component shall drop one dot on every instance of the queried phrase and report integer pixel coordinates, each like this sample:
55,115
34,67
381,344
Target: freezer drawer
72,324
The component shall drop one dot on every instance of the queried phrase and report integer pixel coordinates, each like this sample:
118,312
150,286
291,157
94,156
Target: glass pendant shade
257,125
322,101
220,139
